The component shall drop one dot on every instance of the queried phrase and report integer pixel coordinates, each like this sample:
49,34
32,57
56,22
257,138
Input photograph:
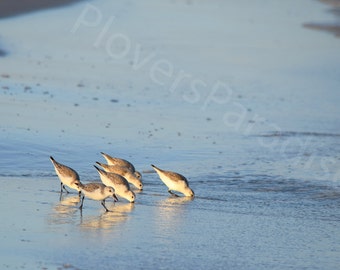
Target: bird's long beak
115,197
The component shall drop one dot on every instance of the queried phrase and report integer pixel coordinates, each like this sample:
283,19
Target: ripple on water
267,195
298,134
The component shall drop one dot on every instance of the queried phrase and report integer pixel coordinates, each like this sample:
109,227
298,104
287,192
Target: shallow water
243,221
242,217
254,126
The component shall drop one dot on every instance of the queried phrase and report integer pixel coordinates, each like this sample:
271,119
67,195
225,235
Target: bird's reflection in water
65,210
107,220
174,200
171,213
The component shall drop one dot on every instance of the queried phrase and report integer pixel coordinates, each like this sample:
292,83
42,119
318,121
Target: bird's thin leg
82,201
79,193
103,204
65,189
61,187
173,194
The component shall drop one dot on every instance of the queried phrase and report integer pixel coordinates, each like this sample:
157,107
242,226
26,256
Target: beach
240,97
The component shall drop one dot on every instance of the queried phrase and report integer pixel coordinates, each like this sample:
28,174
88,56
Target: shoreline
10,8
333,28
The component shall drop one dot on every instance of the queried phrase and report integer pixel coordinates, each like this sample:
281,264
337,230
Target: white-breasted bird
121,162
98,192
67,176
174,181
123,171
118,182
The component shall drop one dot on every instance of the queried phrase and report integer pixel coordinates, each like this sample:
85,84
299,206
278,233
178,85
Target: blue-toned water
235,221
238,97
242,217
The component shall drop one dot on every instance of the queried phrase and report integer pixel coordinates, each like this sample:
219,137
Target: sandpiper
96,191
118,182
125,172
67,176
121,162
174,182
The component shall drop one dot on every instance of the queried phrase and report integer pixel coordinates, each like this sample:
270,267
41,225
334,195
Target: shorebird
121,162
67,176
123,171
96,191
118,182
174,182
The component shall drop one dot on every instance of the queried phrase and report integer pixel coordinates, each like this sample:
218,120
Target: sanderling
125,172
67,176
121,162
96,191
118,182
174,182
